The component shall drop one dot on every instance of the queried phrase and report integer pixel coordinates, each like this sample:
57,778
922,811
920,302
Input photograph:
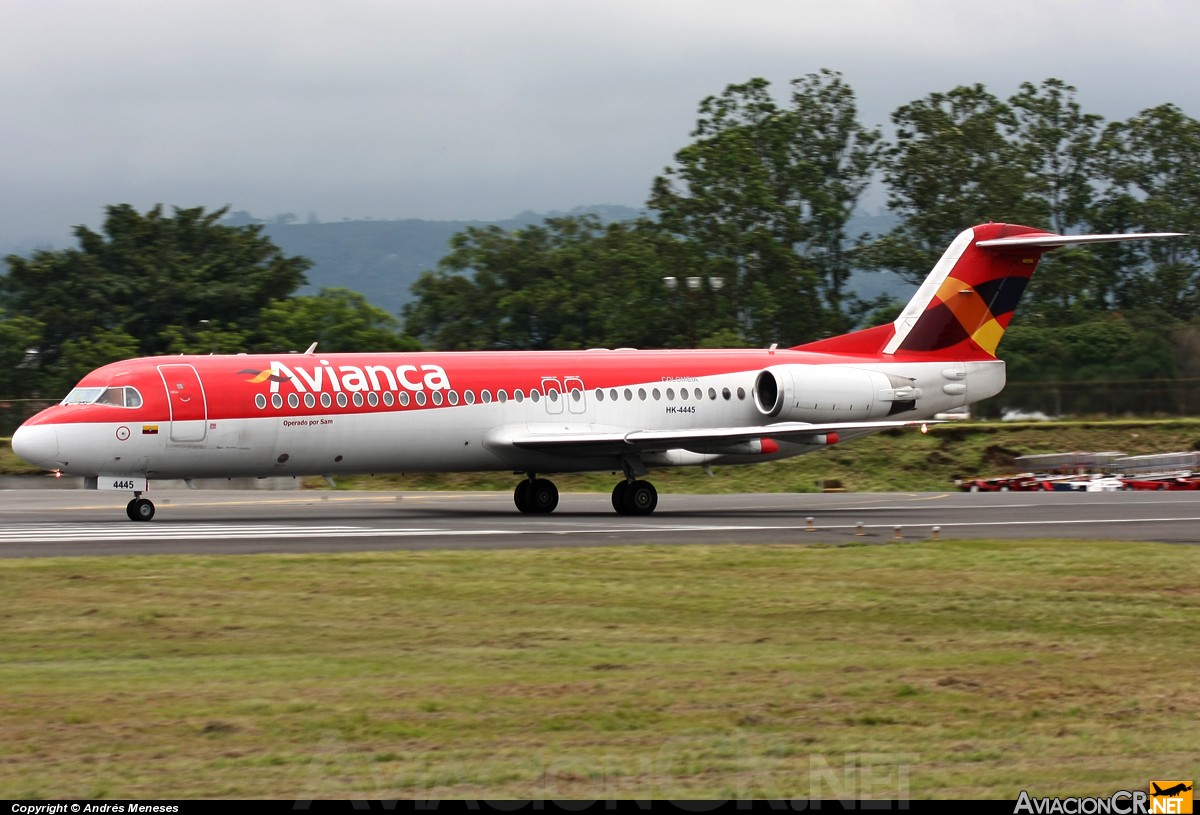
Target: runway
52,523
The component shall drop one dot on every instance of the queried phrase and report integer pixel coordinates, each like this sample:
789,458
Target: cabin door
189,409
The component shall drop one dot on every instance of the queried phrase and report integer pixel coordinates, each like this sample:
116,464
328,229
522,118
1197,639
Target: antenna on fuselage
312,347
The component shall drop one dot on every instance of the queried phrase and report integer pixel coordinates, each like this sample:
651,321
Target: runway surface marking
57,533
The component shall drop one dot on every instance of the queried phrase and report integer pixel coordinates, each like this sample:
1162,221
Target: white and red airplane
532,412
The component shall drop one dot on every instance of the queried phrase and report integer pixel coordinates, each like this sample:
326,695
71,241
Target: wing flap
622,442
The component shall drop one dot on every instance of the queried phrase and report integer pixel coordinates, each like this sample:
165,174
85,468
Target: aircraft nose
37,444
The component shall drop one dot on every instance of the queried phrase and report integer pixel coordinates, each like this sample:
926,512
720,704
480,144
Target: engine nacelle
831,393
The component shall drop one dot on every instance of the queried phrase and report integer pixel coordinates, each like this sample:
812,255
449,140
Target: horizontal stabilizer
1047,241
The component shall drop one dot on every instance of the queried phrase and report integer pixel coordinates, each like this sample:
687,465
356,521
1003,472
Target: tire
618,497
542,496
640,498
521,496
140,509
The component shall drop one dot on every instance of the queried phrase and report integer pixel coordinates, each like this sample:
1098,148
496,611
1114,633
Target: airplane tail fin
1157,789
961,310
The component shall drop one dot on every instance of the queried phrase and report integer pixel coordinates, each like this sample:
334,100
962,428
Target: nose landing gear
140,509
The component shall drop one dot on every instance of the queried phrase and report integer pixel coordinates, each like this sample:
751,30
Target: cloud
481,109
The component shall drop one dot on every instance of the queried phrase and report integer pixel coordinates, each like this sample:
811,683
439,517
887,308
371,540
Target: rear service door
189,410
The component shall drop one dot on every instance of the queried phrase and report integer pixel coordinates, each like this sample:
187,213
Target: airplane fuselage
295,415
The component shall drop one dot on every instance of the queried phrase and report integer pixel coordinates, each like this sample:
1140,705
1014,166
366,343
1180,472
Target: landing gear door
189,409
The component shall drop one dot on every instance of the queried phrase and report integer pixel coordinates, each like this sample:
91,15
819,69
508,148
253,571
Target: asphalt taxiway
47,523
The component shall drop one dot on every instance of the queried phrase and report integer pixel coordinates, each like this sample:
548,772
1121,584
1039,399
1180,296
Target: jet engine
831,393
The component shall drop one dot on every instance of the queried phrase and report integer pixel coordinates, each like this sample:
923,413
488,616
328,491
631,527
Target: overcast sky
455,109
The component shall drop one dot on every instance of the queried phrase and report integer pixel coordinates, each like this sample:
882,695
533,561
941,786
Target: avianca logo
351,378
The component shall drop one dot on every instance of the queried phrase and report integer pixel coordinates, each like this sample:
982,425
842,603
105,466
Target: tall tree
1059,144
952,164
162,282
1153,164
567,283
763,196
337,319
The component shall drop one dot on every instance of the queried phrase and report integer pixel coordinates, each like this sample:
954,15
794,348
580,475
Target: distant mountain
382,259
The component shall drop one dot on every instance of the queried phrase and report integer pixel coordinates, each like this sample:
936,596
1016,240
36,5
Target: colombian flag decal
149,430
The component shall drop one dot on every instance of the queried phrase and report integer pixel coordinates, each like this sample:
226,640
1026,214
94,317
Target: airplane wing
570,441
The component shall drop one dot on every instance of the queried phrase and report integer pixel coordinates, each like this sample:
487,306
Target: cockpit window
83,396
121,397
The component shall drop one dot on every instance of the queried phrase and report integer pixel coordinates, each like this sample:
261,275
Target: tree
19,340
1153,163
763,196
952,165
163,281
568,283
1059,145
337,319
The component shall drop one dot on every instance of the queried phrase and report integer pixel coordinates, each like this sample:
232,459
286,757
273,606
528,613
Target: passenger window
388,399
657,394
310,401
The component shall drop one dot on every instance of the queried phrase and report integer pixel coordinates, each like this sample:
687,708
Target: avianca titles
539,412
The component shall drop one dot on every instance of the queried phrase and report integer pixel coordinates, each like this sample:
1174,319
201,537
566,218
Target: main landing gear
539,496
634,497
140,509
536,495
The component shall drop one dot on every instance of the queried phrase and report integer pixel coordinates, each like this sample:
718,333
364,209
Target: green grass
945,669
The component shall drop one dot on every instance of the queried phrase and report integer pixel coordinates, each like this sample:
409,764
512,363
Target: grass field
936,669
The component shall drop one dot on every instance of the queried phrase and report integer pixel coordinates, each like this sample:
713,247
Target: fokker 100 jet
538,412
